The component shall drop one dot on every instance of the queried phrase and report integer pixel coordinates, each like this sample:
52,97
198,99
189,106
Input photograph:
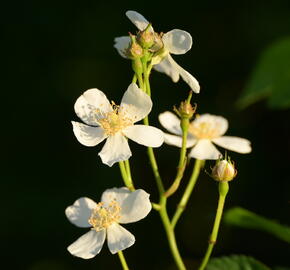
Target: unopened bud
224,171
186,110
146,37
135,50
157,44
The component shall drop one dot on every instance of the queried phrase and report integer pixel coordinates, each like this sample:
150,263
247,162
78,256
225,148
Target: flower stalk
223,190
186,112
123,260
188,190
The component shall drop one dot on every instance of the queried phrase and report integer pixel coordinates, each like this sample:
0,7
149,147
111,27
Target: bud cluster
146,40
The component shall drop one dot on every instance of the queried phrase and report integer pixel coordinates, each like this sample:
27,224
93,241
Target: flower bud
186,110
224,170
158,43
146,37
135,50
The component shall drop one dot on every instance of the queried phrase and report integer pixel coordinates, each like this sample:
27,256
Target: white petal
115,194
88,245
80,212
136,18
177,41
177,140
204,149
115,149
186,76
135,103
88,103
121,44
171,122
145,135
166,67
135,207
119,238
88,136
217,125
235,144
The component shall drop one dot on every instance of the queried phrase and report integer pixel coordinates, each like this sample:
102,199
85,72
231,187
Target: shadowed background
53,51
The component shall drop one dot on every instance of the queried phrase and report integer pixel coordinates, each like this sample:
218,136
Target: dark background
53,51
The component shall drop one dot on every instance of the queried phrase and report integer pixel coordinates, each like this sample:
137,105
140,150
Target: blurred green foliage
246,219
235,262
270,78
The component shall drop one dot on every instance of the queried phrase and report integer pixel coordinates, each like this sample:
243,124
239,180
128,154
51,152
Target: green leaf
270,78
244,218
235,262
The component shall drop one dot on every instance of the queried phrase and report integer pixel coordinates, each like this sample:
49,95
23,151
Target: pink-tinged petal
177,41
115,149
87,135
119,238
91,105
145,135
236,144
203,150
135,103
80,212
88,245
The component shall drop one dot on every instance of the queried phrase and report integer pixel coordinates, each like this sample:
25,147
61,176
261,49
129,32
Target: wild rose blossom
115,123
174,42
117,206
205,130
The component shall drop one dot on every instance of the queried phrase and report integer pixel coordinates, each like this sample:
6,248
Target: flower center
102,217
114,121
204,130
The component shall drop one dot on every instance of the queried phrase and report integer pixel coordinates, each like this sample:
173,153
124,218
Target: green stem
134,80
181,165
188,190
223,190
170,234
127,180
184,124
123,260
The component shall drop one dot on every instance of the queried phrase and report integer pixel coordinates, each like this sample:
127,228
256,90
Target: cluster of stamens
103,216
113,121
204,130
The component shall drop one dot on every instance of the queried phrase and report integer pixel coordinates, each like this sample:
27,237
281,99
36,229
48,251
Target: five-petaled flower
174,42
118,205
202,131
115,123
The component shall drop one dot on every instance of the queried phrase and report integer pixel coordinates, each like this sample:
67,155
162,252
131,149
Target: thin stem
127,180
184,112
170,235
181,166
134,80
223,190
128,170
188,190
123,260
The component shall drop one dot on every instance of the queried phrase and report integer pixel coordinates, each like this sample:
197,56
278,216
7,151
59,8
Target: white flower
175,42
118,205
205,130
115,123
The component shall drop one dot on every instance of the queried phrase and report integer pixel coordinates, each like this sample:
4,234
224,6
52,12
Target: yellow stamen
113,121
204,130
103,216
